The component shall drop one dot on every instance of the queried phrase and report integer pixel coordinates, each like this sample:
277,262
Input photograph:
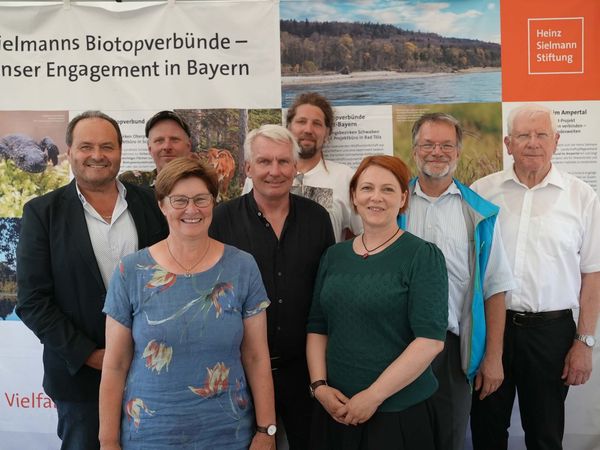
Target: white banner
27,414
360,131
210,54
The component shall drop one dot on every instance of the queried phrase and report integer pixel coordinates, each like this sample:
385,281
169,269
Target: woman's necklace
368,252
188,272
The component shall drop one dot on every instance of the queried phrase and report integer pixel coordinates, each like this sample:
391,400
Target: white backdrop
209,54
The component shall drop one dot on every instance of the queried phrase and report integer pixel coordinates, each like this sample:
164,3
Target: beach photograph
381,52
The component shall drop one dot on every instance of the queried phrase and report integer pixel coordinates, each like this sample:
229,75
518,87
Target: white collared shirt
110,241
551,235
441,220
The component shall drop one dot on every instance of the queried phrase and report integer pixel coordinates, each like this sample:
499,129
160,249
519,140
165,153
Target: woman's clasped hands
348,411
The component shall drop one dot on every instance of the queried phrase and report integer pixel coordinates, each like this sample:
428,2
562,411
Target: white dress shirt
551,233
110,241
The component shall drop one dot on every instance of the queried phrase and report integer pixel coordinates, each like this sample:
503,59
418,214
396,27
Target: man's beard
307,152
449,170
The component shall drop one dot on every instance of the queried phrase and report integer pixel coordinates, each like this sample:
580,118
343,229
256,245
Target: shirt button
279,274
278,328
267,225
280,300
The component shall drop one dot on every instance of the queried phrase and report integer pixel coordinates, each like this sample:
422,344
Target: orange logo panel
550,50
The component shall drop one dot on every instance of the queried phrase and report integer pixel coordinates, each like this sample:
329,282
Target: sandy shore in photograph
357,77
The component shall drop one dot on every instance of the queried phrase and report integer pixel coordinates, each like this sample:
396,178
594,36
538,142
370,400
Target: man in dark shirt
287,235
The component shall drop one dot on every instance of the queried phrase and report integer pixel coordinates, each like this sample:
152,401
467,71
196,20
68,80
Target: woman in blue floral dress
186,364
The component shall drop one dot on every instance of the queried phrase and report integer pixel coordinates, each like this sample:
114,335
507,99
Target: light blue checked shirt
441,220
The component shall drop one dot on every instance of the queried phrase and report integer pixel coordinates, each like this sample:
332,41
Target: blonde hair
276,133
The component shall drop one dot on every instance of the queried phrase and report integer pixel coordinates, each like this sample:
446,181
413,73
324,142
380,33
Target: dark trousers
410,429
451,403
78,425
293,402
534,356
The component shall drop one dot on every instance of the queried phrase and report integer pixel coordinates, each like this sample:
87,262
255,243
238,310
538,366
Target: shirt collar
120,187
451,190
253,206
553,177
320,166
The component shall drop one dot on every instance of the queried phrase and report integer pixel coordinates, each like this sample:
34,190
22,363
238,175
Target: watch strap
269,429
315,384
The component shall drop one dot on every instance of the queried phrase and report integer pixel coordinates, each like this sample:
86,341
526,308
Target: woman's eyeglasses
181,201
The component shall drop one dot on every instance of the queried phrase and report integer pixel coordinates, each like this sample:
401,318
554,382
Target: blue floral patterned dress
186,387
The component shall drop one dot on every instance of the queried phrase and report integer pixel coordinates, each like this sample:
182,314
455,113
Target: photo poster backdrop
220,65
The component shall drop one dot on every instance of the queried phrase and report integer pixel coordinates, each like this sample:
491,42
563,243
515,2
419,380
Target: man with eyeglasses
169,137
71,240
550,221
310,119
462,224
286,234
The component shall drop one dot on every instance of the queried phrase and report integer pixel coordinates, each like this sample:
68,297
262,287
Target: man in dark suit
71,240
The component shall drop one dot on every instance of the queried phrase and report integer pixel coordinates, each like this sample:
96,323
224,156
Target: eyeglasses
430,146
181,201
525,137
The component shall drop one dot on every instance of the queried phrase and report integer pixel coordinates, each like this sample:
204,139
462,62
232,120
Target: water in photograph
445,88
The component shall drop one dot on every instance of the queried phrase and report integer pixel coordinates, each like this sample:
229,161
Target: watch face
590,341
271,430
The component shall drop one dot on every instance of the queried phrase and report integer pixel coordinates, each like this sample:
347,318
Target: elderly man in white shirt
548,218
464,226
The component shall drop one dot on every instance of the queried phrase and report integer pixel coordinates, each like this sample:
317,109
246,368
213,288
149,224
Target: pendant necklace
188,272
368,252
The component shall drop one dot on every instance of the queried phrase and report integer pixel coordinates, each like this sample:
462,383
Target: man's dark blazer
60,292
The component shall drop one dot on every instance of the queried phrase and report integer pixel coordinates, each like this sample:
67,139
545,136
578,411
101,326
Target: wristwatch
588,340
313,386
269,429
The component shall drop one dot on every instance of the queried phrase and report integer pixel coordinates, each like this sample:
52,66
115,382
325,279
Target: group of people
169,321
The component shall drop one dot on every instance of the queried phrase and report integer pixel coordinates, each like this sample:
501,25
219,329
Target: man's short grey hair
91,115
530,109
437,117
276,133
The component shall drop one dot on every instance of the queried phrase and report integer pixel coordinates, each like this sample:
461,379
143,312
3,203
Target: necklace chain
188,272
368,252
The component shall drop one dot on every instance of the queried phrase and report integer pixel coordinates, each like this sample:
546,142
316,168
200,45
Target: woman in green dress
379,317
